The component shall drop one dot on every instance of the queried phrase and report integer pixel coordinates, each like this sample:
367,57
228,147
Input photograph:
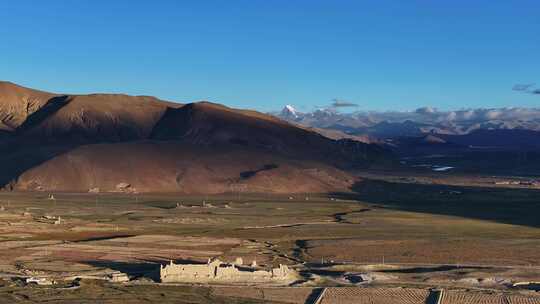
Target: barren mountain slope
101,141
211,124
175,167
98,118
81,118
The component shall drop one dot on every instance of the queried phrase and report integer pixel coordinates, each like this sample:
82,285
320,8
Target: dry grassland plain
419,236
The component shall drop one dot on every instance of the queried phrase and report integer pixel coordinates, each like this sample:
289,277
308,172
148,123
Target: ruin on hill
216,271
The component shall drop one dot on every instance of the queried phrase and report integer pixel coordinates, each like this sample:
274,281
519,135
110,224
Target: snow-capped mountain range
422,121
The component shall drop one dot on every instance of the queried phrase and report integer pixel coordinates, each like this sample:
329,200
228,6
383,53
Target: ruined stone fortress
216,271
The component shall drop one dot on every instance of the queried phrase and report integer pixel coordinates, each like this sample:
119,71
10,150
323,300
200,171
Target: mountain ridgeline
115,142
505,128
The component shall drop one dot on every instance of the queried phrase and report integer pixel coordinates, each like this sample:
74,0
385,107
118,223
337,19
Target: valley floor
386,241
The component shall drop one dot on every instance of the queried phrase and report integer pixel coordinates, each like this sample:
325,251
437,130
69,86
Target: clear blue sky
263,54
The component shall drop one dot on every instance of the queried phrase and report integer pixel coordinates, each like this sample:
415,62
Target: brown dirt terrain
92,291
463,297
298,295
375,296
18,103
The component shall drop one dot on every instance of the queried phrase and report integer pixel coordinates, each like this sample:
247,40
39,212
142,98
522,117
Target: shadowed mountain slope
211,124
156,166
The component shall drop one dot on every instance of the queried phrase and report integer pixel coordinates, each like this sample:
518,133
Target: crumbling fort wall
216,271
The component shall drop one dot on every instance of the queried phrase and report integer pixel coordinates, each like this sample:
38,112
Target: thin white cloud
431,115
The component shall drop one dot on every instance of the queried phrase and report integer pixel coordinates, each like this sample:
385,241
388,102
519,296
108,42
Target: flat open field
91,291
385,234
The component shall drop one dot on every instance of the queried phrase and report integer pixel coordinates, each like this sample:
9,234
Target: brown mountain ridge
115,142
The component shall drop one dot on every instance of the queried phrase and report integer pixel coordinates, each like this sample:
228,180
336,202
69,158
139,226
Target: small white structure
118,277
38,281
94,190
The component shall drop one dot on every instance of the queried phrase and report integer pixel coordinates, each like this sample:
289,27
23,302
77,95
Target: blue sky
263,54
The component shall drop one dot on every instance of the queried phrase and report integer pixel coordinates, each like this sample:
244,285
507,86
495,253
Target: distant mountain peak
289,112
